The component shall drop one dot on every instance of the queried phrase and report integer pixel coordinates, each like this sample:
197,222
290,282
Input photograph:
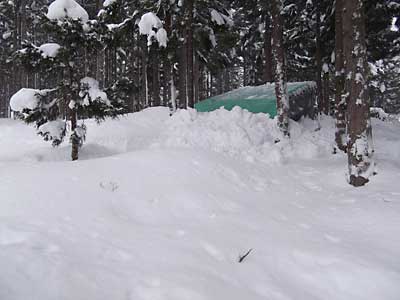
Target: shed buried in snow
261,99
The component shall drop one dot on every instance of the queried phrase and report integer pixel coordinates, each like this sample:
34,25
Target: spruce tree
57,109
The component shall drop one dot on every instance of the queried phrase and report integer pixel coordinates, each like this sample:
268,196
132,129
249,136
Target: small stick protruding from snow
242,257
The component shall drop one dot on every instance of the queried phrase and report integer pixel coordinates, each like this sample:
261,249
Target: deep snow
161,208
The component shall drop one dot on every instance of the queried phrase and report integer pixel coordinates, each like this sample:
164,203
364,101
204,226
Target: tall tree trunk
278,52
190,62
318,58
97,65
268,74
183,77
340,98
358,149
71,114
75,139
155,79
169,82
145,101
245,69
196,79
326,108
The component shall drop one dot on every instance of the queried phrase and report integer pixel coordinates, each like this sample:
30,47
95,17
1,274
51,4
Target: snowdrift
163,207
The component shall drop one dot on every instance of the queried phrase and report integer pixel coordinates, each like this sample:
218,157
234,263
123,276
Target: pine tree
74,95
6,47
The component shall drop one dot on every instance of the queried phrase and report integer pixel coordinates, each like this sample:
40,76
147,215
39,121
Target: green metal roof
256,99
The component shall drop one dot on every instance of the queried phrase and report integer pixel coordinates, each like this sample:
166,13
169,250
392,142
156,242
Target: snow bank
62,9
235,133
250,136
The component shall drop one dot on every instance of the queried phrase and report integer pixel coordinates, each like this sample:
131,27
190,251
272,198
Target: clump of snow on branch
220,19
26,99
162,37
148,22
108,2
63,9
212,37
53,131
90,91
49,50
217,17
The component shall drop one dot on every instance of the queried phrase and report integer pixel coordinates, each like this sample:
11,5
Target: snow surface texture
62,9
161,208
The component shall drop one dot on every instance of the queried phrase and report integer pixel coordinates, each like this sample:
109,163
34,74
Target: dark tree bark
189,53
278,52
318,58
268,65
340,98
71,114
182,77
75,140
155,79
358,149
245,69
196,80
145,101
326,107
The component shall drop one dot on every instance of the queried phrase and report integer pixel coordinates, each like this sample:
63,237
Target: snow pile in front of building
251,136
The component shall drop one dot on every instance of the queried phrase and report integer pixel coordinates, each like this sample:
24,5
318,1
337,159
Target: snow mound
62,9
241,133
233,133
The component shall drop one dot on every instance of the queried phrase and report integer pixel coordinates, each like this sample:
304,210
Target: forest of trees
195,49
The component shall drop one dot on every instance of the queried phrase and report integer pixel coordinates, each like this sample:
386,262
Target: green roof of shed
256,99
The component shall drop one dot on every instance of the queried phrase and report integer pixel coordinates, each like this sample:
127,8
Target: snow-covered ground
161,208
